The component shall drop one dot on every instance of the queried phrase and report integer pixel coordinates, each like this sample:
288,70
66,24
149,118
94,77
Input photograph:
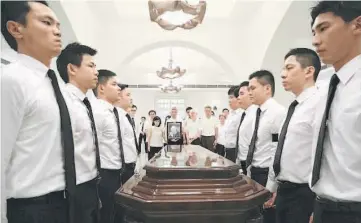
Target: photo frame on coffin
174,136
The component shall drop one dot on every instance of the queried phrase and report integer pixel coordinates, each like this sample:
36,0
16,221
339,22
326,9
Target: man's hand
311,218
270,202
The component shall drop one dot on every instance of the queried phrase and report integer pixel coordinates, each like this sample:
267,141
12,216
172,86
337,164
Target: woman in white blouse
155,137
221,138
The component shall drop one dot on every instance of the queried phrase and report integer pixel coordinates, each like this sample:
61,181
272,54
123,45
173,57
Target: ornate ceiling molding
192,14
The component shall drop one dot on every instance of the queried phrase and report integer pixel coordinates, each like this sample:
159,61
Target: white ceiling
236,38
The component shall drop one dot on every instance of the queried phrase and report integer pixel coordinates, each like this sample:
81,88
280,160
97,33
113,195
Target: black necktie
252,146
133,123
68,146
119,138
321,136
281,141
135,136
239,126
143,127
95,136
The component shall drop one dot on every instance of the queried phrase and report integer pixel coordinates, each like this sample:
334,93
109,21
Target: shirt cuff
272,186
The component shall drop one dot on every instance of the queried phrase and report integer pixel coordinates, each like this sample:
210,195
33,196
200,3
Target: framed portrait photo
174,133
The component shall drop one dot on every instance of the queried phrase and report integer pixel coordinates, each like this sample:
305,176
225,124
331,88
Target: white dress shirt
297,146
31,150
231,128
107,130
129,147
156,136
208,126
221,134
272,115
84,147
245,132
193,128
340,176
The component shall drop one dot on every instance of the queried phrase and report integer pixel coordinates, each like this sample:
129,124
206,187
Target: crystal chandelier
170,88
170,72
174,14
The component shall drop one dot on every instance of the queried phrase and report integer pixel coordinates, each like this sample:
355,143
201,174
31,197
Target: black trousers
231,154
207,142
327,211
109,184
153,151
142,138
196,142
220,149
53,207
128,172
294,203
260,175
244,167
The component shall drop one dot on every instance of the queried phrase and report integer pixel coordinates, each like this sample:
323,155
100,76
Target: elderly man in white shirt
295,199
209,130
193,128
232,124
336,153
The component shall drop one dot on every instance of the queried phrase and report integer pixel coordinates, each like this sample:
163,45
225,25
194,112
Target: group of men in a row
64,154
309,155
61,152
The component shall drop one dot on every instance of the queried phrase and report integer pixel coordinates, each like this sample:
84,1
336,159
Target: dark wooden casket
191,186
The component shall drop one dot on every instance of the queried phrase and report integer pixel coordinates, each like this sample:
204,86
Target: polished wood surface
176,188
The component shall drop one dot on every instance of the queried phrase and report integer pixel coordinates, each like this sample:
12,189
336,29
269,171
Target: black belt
338,206
50,198
130,165
287,184
259,170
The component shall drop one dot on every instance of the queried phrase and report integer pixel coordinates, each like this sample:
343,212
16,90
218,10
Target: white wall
197,98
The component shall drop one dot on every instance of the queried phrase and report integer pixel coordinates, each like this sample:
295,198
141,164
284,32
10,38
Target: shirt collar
251,108
349,69
122,111
75,91
33,64
106,104
306,94
267,104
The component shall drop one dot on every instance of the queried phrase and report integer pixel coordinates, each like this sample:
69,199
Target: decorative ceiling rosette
176,14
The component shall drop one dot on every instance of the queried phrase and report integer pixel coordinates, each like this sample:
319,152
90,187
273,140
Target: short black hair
225,109
156,118
72,54
150,111
122,86
134,106
244,84
236,91
307,58
231,90
103,77
347,10
188,109
14,11
264,77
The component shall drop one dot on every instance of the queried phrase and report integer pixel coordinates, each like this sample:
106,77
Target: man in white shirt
193,129
246,123
336,153
110,141
225,112
128,134
294,199
209,130
268,120
32,177
141,128
77,68
232,123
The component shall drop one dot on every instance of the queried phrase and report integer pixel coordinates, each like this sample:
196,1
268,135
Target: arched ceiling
238,33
